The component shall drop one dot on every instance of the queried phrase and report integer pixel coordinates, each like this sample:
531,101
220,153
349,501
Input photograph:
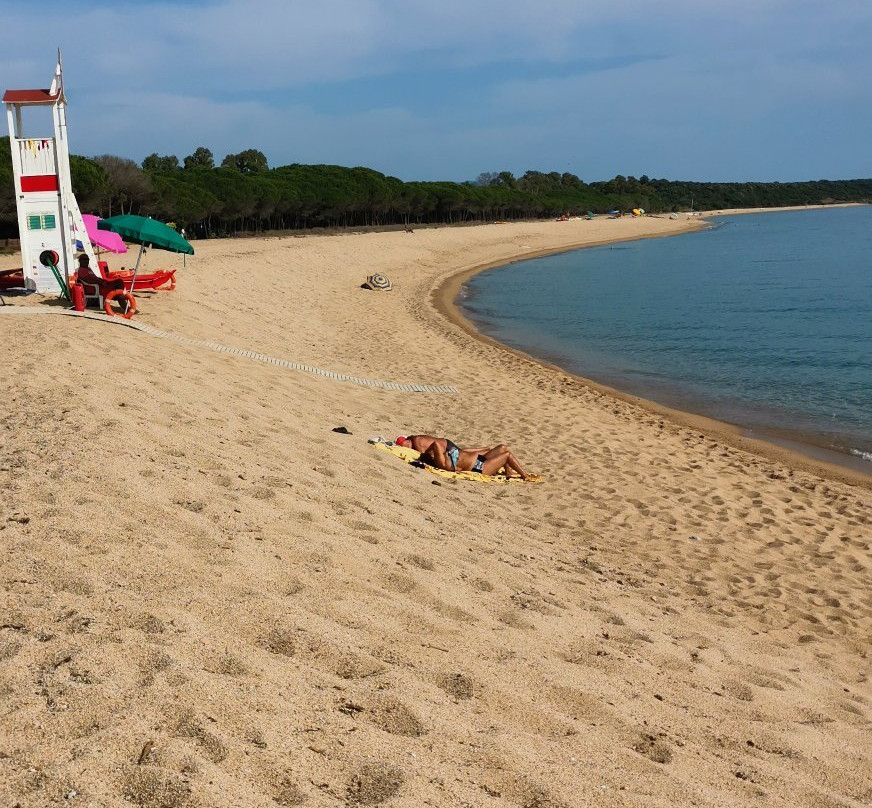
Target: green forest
243,195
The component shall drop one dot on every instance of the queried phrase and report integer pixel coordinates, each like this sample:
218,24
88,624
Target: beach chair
99,293
95,292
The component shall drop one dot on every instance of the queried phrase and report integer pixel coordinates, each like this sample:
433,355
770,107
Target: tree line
243,194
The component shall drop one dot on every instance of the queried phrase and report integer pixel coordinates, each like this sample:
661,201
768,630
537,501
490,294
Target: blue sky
718,90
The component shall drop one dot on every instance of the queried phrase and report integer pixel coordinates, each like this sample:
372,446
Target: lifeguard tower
48,214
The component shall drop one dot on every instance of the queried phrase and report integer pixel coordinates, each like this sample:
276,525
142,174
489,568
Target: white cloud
711,80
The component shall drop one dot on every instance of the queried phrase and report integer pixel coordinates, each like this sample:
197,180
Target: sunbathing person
443,453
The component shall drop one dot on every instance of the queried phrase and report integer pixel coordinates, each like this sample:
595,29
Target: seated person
86,273
443,453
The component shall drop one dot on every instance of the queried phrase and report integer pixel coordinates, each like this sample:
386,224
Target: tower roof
29,97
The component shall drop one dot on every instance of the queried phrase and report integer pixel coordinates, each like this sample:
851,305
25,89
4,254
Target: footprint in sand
388,714
654,747
457,685
373,783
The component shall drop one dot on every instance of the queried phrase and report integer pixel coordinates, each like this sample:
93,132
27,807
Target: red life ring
119,293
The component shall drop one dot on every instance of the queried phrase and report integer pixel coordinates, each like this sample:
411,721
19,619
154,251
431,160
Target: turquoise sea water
763,320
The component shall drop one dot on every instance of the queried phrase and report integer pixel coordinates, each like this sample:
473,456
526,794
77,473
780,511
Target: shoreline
808,457
789,448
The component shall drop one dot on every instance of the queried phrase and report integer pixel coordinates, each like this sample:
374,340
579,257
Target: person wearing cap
443,453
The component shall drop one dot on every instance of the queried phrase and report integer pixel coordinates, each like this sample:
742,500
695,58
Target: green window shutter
34,222
48,221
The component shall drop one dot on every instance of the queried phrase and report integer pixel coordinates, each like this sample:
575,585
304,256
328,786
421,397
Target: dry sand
209,598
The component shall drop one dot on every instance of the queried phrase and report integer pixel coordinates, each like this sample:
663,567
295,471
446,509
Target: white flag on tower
57,81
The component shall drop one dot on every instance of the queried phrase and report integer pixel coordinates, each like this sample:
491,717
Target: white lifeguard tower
48,214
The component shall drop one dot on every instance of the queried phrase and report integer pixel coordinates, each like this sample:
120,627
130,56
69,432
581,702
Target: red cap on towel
400,441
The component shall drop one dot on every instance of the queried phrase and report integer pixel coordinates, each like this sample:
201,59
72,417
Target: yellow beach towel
410,456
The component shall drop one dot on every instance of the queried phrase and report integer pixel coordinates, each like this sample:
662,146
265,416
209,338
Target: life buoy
114,295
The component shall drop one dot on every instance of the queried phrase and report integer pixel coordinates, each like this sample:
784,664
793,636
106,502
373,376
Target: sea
763,321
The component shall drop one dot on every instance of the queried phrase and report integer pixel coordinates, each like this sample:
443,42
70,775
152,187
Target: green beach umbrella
147,233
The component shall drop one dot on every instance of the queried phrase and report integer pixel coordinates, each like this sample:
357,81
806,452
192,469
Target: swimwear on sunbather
479,463
453,452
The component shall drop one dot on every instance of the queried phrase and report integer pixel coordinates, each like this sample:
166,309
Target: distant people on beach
443,453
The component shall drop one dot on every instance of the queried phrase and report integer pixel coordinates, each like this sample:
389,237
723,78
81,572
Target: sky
705,90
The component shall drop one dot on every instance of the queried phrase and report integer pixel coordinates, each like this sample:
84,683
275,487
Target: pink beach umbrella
103,239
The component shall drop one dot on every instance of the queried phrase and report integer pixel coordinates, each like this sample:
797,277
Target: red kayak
162,278
12,279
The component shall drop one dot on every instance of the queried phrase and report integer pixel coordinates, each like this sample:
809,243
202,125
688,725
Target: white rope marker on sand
257,357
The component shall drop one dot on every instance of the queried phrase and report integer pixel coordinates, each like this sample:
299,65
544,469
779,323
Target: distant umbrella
379,282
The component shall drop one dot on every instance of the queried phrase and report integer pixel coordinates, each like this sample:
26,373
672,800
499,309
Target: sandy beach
208,597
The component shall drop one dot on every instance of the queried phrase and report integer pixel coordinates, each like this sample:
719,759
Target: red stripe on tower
43,182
